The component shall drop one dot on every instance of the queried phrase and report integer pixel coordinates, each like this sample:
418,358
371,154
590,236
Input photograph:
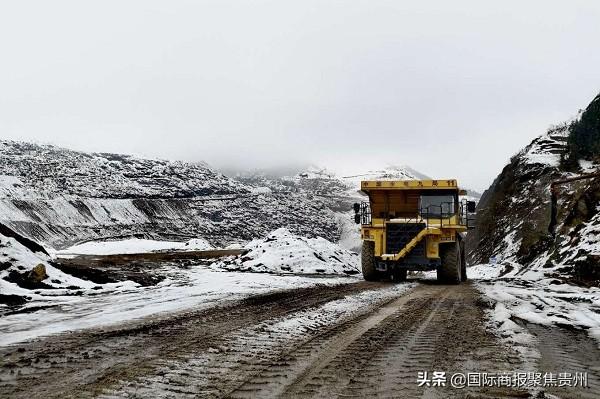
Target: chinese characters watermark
509,380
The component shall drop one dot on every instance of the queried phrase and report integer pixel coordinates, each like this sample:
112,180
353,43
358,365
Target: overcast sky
451,88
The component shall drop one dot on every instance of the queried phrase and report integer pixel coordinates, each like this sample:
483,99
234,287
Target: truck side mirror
356,207
471,206
357,218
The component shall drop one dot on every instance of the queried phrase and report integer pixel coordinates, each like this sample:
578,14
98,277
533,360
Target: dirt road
297,343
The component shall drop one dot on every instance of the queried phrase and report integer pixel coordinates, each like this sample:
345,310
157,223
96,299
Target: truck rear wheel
450,270
463,261
368,261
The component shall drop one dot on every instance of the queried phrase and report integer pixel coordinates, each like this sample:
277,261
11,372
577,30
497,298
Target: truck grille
397,235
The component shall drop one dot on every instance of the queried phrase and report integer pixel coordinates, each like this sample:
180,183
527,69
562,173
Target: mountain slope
513,216
45,171
59,197
336,193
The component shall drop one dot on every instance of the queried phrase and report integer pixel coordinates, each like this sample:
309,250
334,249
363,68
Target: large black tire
450,270
399,275
463,261
368,261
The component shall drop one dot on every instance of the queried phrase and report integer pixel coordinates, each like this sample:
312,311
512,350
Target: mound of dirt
282,252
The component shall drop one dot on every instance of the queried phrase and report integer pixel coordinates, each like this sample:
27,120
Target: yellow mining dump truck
414,225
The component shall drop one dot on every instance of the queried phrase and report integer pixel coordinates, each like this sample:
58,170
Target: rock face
513,216
59,197
514,213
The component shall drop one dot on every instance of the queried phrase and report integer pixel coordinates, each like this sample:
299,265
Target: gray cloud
450,88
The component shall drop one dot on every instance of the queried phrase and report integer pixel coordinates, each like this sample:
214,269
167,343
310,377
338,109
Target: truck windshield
437,205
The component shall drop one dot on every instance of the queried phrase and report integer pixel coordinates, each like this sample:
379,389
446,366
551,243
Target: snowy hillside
514,214
322,181
388,173
45,171
337,193
60,197
539,274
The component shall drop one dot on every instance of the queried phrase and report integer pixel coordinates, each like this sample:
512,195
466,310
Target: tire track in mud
566,351
292,370
365,361
248,352
299,343
381,355
85,364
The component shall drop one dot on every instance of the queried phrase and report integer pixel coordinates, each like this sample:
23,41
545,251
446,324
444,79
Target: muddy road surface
352,340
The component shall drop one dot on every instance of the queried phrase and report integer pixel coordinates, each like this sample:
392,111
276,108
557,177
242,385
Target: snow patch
134,246
546,150
484,272
197,286
196,244
349,231
537,299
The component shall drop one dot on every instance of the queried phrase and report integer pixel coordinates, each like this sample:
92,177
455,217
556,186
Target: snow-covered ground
282,252
197,287
535,299
349,231
61,302
529,297
133,246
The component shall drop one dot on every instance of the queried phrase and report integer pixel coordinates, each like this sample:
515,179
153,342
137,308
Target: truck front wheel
450,270
368,261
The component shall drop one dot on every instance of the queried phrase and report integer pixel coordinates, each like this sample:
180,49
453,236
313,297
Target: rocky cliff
514,213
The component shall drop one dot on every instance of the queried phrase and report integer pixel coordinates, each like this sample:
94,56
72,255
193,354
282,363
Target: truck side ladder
412,243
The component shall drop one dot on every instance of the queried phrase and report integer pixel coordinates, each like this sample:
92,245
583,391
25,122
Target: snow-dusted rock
38,273
282,252
45,171
22,270
540,276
